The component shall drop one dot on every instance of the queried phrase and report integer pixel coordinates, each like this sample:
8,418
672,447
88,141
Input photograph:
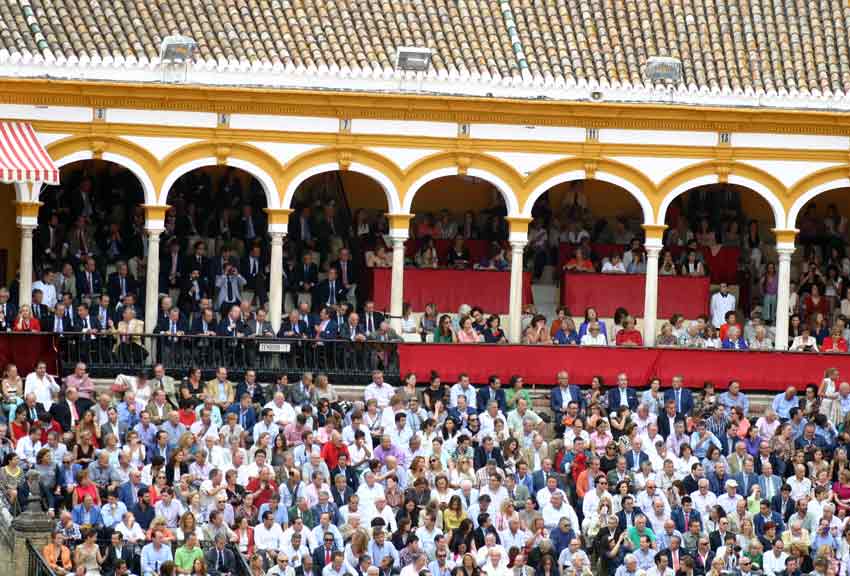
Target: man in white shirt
487,419
721,303
556,509
48,289
514,536
267,425
369,491
268,535
703,498
28,446
594,336
729,499
379,390
283,411
41,385
463,388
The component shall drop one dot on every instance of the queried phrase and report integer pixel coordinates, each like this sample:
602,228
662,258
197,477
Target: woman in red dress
25,322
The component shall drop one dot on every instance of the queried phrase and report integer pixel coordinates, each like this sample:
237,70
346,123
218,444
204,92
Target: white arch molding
385,183
264,178
508,195
575,175
811,194
140,173
709,179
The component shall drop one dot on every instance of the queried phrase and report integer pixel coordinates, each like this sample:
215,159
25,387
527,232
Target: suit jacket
50,324
377,318
78,515
319,557
716,540
125,494
614,399
303,276
134,329
83,284
94,324
250,415
785,509
258,397
330,331
686,400
630,459
224,328
211,390
252,277
678,517
480,458
664,427
163,326
341,498
700,568
621,517
309,520
351,478
332,509
228,562
114,288
484,397
346,331
556,400
299,329
351,272
152,409
265,328
746,488
198,326
540,482
221,281
322,294
10,310
759,521
61,412
112,557
187,298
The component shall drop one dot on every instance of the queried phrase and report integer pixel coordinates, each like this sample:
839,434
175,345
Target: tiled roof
728,47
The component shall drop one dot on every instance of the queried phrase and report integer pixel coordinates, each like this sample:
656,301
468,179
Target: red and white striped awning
22,157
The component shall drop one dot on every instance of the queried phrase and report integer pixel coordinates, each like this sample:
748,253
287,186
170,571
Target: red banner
765,371
25,351
448,289
607,292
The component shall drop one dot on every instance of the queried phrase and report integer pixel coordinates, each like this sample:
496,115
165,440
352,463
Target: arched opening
582,227
723,230
10,238
215,221
821,261
90,230
338,223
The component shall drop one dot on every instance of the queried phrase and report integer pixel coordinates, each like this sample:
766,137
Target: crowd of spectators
159,476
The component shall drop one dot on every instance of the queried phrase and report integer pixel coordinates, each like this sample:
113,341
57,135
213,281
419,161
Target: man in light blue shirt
463,388
174,428
383,553
154,555
702,439
734,398
783,403
113,511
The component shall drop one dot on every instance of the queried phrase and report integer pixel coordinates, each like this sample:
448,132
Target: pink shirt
465,337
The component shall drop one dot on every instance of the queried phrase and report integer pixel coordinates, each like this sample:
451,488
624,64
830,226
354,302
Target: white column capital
27,228
154,233
785,252
518,245
399,235
277,236
652,250
521,237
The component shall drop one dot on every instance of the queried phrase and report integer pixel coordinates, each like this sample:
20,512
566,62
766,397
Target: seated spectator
614,265
494,334
25,321
426,256
693,266
734,340
594,336
567,333
458,256
537,333
579,263
805,342
467,333
666,337
629,335
760,341
835,342
668,266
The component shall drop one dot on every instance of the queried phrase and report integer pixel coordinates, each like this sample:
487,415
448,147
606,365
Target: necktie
678,400
332,299
33,414
344,266
327,556
687,520
173,327
123,286
59,324
74,415
675,556
230,290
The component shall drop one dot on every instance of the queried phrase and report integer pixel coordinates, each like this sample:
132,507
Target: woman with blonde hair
454,514
357,547
460,472
188,525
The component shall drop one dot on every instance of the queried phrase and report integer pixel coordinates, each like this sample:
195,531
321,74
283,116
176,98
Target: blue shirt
782,406
741,402
700,450
153,559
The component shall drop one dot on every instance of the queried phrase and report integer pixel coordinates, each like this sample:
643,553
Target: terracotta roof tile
726,46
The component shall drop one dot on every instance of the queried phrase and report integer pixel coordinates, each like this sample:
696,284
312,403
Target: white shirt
458,390
49,291
268,538
589,340
773,565
42,388
702,504
284,413
552,517
720,305
382,393
799,488
369,495
26,450
729,503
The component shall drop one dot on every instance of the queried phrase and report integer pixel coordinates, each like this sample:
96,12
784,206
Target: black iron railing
107,356
37,565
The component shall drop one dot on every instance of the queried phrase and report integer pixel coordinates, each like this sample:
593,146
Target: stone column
31,524
154,226
518,239
399,233
278,226
27,220
785,248
652,245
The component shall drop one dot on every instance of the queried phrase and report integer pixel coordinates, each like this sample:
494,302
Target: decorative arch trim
813,185
760,182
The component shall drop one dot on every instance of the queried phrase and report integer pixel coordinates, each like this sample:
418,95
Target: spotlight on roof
175,55
664,69
412,59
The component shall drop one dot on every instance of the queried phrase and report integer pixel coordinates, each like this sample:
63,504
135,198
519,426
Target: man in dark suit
691,481
306,275
341,490
117,550
193,288
254,270
197,260
668,417
488,451
89,281
171,330
34,410
783,503
717,539
682,397
293,327
563,394
323,554
219,559
8,309
493,391
370,319
766,515
635,457
328,292
57,322
352,329
122,283
246,416
70,410
703,556
626,517
622,395
683,515
346,269
258,325
250,387
540,477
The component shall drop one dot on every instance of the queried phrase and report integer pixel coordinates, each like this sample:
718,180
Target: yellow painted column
399,233
26,216
154,227
278,225
652,245
518,239
785,246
